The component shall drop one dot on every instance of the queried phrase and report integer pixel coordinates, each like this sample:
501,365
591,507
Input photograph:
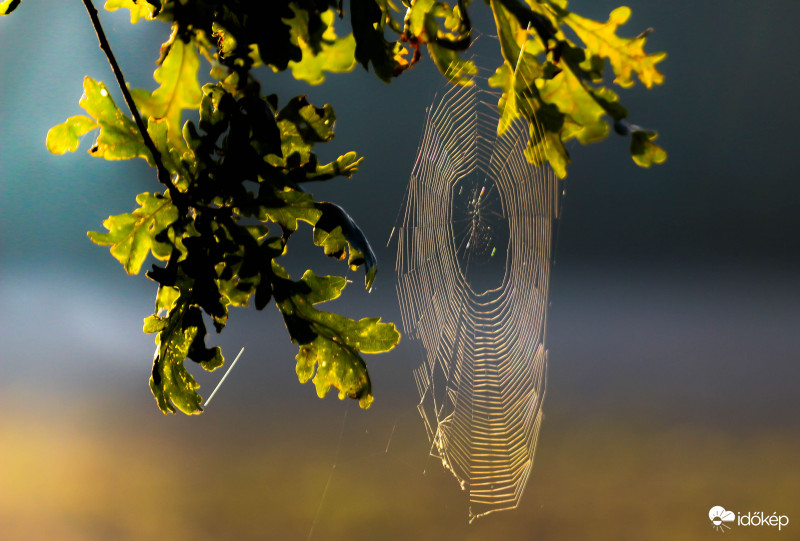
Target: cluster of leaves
238,173
557,86
234,193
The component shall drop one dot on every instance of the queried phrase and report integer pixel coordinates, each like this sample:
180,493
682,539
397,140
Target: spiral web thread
482,382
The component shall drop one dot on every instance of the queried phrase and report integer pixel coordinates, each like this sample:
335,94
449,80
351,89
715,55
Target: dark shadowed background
673,330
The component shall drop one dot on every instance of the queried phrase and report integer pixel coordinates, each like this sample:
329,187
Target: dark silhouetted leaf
334,230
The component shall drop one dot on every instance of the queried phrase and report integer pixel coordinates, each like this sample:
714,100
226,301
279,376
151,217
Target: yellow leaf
178,90
336,55
138,9
66,136
626,55
567,92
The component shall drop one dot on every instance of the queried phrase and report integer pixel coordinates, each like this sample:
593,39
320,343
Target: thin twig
163,175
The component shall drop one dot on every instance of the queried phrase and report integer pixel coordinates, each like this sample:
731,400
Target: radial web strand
473,263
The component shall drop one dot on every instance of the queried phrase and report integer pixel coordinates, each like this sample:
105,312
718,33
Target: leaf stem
163,174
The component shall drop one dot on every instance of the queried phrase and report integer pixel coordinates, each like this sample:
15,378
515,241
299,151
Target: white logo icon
719,516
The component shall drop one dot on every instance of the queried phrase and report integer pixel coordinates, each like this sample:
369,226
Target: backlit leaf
132,236
147,9
178,90
626,55
644,151
520,99
335,55
329,342
289,207
158,130
443,47
302,125
65,137
170,382
583,114
119,138
509,32
336,366
345,165
179,335
456,69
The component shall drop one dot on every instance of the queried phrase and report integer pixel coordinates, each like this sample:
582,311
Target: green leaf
626,55
302,125
166,298
132,236
519,79
236,292
288,207
119,137
170,382
226,41
509,32
147,9
178,90
368,18
415,16
421,20
520,98
329,342
328,53
345,165
213,118
609,101
240,277
179,335
556,94
644,151
336,367
456,69
64,137
583,114
170,157
7,6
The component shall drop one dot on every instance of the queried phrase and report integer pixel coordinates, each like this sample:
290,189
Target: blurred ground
667,396
81,473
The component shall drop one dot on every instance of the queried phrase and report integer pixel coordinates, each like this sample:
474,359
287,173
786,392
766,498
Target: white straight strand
223,378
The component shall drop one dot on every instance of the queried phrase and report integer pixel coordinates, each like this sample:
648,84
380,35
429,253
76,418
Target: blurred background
673,330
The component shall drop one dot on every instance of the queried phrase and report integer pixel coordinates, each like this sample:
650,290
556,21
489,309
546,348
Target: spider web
473,264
